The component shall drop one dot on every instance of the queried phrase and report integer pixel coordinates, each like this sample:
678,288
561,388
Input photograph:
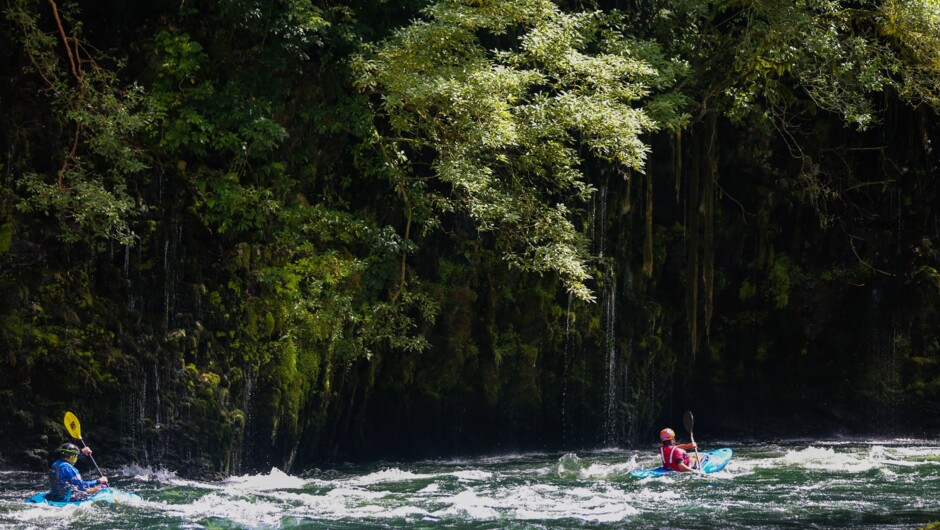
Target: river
793,484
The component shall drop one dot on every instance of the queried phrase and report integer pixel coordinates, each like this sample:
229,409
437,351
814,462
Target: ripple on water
861,485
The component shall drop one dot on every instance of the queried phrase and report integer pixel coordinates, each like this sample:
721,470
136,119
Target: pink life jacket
672,457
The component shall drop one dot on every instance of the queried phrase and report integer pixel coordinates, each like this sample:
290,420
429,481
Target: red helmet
667,434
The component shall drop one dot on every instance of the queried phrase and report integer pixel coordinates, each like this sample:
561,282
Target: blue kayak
109,495
712,461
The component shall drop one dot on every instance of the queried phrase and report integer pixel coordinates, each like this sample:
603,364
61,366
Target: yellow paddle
75,429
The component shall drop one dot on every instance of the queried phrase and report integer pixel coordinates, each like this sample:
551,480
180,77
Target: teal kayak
712,462
109,495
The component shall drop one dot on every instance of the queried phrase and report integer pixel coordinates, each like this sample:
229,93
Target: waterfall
612,395
157,416
612,365
248,435
628,423
170,259
613,372
882,344
602,223
564,378
132,421
127,277
166,286
134,412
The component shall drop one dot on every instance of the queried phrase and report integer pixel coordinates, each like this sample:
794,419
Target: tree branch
65,39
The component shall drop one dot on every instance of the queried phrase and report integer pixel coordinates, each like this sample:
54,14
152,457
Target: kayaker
674,456
65,482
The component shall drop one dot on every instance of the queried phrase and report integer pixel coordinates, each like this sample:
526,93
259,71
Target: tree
499,98
98,118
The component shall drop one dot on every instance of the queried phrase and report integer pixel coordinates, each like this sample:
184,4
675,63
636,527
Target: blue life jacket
64,480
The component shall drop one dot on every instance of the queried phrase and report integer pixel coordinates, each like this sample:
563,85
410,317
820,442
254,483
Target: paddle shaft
689,422
697,458
100,474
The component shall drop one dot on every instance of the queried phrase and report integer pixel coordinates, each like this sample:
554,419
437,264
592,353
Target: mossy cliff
236,236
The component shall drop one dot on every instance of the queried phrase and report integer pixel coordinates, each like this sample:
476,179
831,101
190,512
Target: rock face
233,243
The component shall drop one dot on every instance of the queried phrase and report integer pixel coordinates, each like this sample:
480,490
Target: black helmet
69,449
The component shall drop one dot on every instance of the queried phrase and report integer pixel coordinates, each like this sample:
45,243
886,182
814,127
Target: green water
796,484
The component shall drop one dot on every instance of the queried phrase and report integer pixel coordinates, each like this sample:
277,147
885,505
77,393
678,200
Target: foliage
505,123
97,118
913,28
258,234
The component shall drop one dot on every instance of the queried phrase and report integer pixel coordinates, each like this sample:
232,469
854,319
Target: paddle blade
688,421
72,425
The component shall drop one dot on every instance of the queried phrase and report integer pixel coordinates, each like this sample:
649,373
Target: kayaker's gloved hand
86,451
103,481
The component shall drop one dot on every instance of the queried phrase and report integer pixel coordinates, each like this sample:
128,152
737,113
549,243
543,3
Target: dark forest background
239,234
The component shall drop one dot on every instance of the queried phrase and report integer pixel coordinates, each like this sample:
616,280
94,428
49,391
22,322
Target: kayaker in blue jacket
65,482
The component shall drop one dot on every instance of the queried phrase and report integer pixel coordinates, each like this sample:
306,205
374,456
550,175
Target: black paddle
689,422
